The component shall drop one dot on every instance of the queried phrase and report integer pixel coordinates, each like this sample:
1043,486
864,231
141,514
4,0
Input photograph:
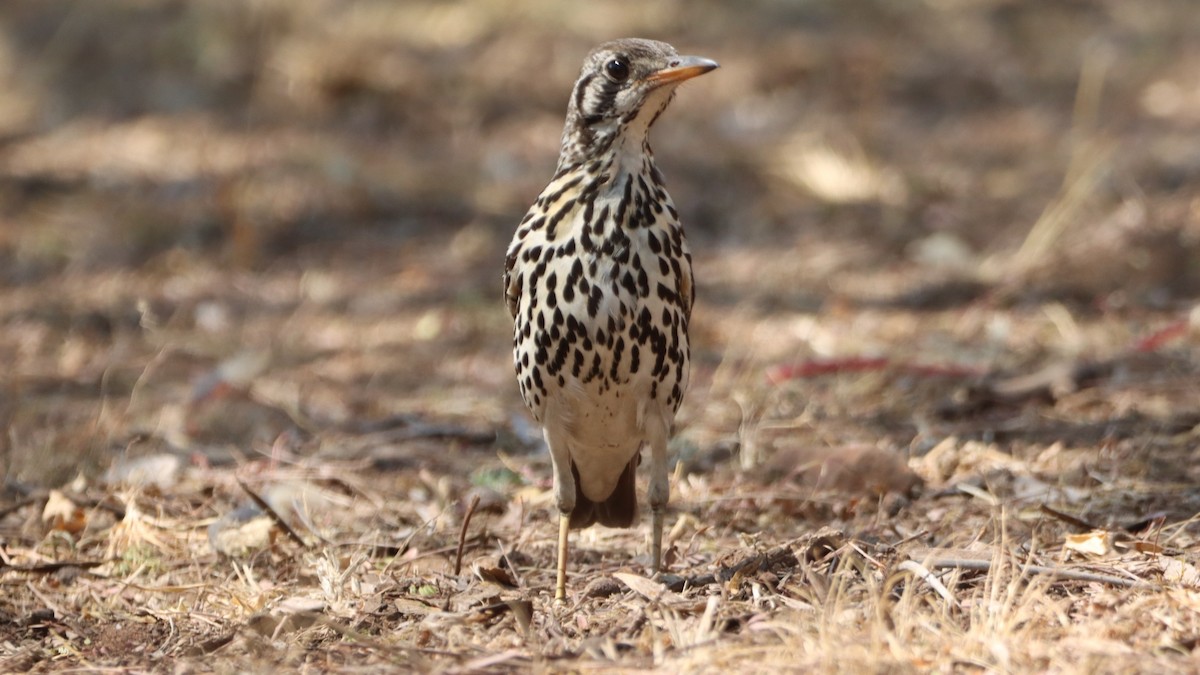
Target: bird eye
617,69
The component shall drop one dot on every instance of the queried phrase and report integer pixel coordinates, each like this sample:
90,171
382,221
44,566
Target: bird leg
564,497
560,585
659,492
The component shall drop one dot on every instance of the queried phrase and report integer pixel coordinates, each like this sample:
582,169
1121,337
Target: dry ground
259,413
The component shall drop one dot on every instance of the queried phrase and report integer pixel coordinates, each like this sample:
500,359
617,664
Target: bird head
622,88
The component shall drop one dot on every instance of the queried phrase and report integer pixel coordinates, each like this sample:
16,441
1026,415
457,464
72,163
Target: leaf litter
944,408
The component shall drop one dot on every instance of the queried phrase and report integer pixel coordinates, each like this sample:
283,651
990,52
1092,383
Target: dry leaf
655,591
1096,542
651,589
496,575
1180,572
62,514
241,532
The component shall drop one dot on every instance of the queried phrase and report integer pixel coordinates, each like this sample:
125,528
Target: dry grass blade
462,534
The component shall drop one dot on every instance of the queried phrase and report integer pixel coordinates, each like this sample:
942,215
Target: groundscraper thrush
598,279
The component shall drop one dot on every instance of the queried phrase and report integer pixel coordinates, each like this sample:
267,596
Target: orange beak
682,68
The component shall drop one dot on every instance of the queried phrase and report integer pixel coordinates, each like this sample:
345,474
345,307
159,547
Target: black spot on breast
622,256
629,284
562,189
616,359
642,187
654,243
588,199
552,224
575,273
660,355
643,323
668,295
595,370
594,301
597,225
676,239
634,359
626,198
560,357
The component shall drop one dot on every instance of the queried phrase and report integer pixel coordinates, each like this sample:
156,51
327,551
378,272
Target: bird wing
512,283
686,288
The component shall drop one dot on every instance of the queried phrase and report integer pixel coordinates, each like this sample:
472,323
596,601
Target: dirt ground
258,401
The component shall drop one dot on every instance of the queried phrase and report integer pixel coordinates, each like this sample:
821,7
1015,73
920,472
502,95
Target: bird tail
619,509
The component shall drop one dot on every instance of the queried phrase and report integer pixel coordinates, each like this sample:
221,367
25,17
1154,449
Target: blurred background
308,202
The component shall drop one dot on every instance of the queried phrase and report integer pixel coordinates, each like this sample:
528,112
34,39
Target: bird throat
619,143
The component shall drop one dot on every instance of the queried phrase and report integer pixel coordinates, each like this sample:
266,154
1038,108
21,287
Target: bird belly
604,433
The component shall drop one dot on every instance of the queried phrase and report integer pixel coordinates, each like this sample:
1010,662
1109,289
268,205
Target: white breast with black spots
602,286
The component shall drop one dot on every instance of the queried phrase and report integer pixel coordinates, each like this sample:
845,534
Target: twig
925,575
438,551
1068,518
262,504
910,538
462,534
1057,572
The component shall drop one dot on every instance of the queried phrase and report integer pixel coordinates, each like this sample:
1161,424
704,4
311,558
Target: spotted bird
598,279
